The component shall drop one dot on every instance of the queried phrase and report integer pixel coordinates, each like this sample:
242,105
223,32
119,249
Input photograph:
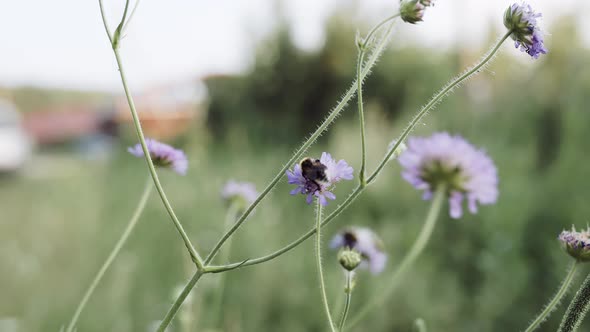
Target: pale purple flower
162,155
576,244
367,243
335,171
451,161
242,193
521,19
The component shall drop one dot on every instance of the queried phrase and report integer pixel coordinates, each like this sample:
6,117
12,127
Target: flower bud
576,244
521,20
349,259
411,11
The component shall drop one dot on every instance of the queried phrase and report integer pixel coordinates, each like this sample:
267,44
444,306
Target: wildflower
162,155
242,194
522,21
367,243
450,161
576,244
317,177
412,11
349,258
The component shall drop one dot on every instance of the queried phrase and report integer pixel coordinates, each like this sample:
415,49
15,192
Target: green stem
297,155
355,193
435,100
359,80
552,305
411,256
193,253
114,252
577,309
318,255
178,302
348,291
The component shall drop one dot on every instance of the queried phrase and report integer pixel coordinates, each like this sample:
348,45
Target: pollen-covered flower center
436,173
160,161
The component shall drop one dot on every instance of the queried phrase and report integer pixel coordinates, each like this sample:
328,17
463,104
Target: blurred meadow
64,204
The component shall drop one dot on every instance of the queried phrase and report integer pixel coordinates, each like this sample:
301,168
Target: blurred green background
493,271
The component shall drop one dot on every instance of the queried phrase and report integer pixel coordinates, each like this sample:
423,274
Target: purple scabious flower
367,243
521,19
576,244
162,155
319,177
241,193
442,159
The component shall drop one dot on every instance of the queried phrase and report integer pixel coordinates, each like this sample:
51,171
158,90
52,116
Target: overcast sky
61,43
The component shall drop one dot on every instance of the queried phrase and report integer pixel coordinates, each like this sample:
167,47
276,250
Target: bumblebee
313,170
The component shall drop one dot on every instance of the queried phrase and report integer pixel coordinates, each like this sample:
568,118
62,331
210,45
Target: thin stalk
348,290
435,100
552,305
355,193
297,155
411,256
114,252
318,255
577,309
359,80
178,302
193,253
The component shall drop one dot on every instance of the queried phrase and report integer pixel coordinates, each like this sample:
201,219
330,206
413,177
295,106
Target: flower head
450,161
162,155
367,243
349,259
412,11
317,177
521,19
242,194
576,244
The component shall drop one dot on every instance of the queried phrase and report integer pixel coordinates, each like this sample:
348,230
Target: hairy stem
318,255
436,99
178,302
577,309
409,259
297,155
348,291
355,193
192,252
114,252
552,305
362,45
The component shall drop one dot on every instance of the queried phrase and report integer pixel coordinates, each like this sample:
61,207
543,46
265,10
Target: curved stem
355,193
552,305
359,80
348,291
297,155
318,255
411,256
178,302
193,253
577,309
435,100
114,252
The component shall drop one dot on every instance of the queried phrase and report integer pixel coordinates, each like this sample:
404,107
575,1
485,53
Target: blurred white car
15,145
